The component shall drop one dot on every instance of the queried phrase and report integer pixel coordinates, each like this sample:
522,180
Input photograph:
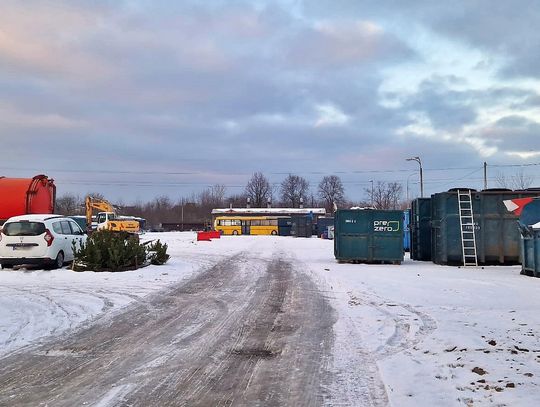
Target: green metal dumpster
496,229
420,229
368,236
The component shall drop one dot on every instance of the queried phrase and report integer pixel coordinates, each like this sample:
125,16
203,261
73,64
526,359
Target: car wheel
235,232
59,261
274,232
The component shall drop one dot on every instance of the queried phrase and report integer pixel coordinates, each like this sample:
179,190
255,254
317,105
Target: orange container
21,196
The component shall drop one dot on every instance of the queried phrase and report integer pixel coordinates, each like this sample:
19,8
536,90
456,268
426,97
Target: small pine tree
106,250
157,253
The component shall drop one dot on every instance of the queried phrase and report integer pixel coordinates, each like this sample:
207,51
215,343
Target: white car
39,239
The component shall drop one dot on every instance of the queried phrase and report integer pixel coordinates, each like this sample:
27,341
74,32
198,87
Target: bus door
246,227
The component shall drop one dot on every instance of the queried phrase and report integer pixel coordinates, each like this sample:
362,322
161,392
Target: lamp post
408,178
371,192
417,159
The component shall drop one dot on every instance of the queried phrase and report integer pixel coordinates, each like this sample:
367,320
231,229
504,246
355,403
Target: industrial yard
261,203
246,320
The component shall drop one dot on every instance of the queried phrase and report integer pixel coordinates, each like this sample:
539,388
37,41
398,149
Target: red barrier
214,234
207,236
202,236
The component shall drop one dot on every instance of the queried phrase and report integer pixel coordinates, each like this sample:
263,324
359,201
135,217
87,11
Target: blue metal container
531,213
406,230
323,223
530,252
369,236
284,226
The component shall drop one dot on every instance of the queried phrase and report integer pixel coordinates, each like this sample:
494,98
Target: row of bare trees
517,181
293,191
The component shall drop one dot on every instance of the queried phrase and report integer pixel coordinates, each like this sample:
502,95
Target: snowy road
270,321
250,330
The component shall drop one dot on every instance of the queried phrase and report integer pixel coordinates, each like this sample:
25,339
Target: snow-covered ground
35,304
416,334
430,327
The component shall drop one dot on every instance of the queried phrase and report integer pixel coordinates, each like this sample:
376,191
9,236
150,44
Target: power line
133,172
207,172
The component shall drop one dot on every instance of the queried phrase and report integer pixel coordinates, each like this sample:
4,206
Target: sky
135,99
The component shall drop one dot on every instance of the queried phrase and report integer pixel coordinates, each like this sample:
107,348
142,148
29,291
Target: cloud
224,88
348,44
48,40
330,115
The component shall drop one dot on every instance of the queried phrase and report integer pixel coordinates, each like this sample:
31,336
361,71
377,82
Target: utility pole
485,176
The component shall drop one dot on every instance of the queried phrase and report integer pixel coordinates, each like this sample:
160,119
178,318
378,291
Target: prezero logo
386,226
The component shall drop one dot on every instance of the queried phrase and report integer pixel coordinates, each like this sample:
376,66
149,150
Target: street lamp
371,192
417,159
408,178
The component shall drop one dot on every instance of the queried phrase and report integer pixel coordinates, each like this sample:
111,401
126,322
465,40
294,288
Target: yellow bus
246,225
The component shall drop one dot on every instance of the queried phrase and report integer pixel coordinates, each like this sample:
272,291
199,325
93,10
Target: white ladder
466,220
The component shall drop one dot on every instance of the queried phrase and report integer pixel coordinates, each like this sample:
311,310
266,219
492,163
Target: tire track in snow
248,331
410,326
356,380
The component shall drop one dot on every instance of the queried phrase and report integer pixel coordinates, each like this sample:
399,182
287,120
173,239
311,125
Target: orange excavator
107,217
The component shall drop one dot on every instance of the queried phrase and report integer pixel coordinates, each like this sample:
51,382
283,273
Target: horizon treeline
294,191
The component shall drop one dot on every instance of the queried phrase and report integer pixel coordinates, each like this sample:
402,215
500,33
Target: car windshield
23,229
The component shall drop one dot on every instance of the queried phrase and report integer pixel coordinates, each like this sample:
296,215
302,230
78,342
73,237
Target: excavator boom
105,207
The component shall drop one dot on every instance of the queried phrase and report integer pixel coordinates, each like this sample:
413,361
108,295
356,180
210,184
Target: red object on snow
517,205
207,236
22,196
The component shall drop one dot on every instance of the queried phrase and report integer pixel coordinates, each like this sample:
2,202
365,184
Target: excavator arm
96,203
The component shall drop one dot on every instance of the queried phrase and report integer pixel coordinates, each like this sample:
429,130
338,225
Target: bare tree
331,191
294,189
385,195
502,181
517,181
521,180
258,190
213,197
69,204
